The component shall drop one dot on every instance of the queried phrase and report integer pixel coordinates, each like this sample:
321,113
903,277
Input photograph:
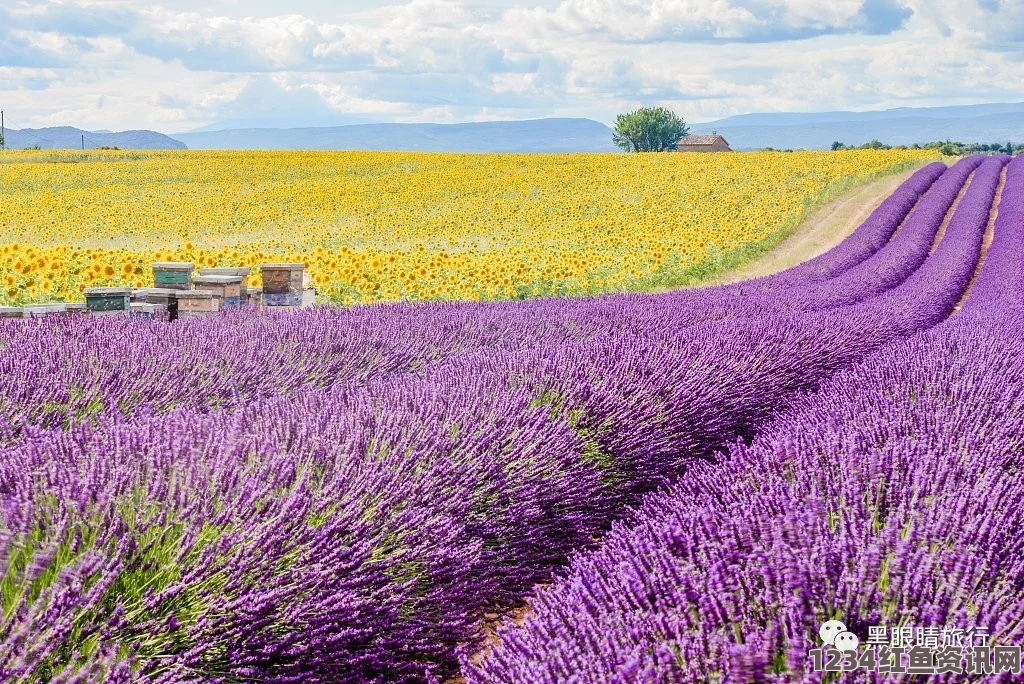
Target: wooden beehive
175,275
77,309
241,271
100,299
11,312
197,303
282,278
226,288
286,299
148,310
252,295
292,300
163,296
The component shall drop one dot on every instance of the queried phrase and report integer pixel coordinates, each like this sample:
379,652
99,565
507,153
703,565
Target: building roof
700,139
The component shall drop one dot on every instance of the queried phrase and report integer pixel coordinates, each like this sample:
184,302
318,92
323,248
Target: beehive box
176,275
11,312
197,302
282,278
252,295
163,296
148,310
99,299
77,309
226,288
41,310
293,300
290,299
241,271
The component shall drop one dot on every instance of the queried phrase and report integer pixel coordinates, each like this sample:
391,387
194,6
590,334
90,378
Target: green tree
951,149
649,129
836,146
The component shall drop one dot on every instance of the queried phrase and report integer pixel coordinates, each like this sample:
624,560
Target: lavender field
640,487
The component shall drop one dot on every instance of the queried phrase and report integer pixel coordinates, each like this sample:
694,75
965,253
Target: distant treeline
947,147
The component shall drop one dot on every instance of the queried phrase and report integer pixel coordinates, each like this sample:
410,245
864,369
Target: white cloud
157,66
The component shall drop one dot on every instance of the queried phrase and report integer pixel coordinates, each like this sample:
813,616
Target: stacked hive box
252,295
240,271
192,303
226,288
162,296
107,300
283,285
77,309
148,310
11,312
173,275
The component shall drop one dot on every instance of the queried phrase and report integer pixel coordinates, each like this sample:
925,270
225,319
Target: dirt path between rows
823,229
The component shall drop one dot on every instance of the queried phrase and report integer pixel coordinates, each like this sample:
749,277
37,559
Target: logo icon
834,633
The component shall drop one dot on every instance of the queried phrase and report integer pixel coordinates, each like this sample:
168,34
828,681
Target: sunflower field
382,226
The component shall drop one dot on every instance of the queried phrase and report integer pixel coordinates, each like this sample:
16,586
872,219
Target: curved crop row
867,239
1001,281
359,533
55,373
889,497
882,270
854,508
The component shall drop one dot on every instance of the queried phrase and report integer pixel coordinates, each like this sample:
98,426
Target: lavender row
359,533
56,373
867,239
880,272
1001,282
349,536
889,497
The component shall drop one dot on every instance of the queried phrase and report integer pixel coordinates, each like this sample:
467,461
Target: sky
178,66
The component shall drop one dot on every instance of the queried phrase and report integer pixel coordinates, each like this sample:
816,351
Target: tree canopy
649,129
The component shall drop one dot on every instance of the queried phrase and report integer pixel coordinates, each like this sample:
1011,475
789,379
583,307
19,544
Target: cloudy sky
176,66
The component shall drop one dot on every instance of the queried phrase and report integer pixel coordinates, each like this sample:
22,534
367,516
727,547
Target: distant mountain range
538,135
968,123
281,120
68,138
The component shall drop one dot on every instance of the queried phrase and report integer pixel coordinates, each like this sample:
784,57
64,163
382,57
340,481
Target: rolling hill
904,126
68,138
538,135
